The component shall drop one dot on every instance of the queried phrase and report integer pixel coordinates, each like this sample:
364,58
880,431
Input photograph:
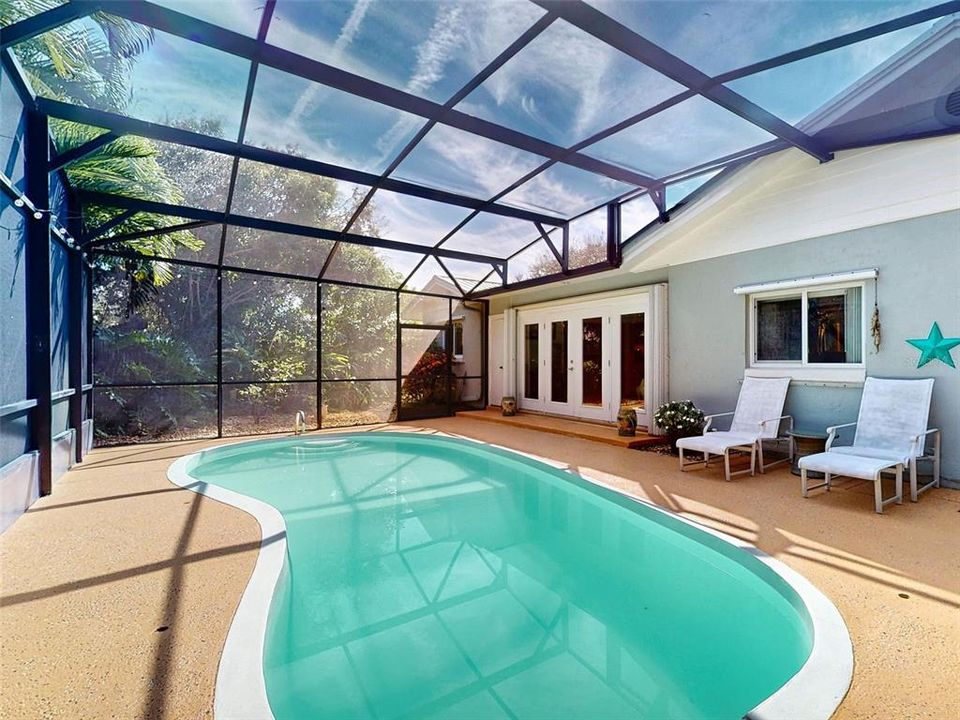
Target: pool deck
116,592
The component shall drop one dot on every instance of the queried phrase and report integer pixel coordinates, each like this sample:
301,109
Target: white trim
818,687
809,281
241,689
454,321
589,298
841,373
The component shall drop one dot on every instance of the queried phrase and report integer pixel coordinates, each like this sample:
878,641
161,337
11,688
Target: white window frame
454,321
801,369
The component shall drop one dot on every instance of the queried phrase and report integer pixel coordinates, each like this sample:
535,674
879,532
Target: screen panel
425,365
142,73
152,414
430,48
533,262
269,328
273,251
358,333
565,190
150,329
588,239
681,137
567,85
458,161
493,235
380,267
267,407
717,37
300,117
358,403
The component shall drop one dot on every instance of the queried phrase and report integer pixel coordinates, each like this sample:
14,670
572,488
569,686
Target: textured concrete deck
91,574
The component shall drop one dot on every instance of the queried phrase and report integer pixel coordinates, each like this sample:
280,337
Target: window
819,328
458,339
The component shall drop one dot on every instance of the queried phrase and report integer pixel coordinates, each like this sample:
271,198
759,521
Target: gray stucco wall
919,283
919,263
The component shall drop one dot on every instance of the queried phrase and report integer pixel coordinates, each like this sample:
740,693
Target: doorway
584,359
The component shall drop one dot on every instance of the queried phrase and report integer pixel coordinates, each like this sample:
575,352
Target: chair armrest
778,420
920,441
832,433
709,419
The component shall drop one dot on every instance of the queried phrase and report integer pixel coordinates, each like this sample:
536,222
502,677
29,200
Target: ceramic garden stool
806,442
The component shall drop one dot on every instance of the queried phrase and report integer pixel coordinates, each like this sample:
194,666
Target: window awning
809,281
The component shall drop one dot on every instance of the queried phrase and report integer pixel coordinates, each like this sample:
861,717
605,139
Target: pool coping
240,691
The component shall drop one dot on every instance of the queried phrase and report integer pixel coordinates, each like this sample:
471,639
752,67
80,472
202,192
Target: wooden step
569,427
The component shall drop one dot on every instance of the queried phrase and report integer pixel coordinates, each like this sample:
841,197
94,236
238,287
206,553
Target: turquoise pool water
431,577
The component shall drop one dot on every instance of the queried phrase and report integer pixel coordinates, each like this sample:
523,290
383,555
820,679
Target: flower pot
627,422
508,406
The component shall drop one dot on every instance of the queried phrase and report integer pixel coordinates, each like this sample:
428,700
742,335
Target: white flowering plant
679,419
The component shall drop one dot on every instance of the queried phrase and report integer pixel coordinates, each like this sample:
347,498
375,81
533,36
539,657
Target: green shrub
679,419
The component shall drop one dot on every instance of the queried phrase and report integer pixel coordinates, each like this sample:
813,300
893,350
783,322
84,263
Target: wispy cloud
566,85
467,163
347,34
415,220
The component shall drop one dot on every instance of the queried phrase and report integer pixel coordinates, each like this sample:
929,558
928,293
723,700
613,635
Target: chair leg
682,468
753,460
726,465
936,459
826,480
803,481
759,444
877,494
899,486
913,479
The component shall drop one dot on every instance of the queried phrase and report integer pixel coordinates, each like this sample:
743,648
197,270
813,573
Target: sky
564,87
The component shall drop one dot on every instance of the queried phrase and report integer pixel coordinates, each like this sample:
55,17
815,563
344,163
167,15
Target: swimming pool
411,575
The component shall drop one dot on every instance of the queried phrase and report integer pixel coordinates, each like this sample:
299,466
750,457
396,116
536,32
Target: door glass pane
833,326
558,361
631,360
592,369
531,361
778,329
425,390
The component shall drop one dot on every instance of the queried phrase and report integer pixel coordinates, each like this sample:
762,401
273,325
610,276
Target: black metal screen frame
318,380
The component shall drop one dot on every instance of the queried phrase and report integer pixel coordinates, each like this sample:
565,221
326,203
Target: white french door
583,360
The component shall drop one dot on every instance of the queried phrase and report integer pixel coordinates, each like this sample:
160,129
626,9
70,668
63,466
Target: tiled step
564,426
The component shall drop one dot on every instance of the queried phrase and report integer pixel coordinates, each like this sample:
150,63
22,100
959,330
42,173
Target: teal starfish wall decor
935,347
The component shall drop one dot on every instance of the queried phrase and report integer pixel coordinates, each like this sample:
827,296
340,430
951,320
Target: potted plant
679,419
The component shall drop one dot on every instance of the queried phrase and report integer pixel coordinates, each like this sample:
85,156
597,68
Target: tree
593,249
88,63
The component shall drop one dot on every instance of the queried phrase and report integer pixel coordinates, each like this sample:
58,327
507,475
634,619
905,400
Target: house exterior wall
919,283
895,207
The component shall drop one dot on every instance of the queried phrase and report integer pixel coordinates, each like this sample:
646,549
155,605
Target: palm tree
87,62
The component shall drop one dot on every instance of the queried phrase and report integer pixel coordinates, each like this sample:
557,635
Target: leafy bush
427,382
679,419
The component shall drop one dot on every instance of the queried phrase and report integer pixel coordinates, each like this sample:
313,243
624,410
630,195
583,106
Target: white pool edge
241,690
818,687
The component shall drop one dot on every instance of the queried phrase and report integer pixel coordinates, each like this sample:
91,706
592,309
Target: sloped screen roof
494,142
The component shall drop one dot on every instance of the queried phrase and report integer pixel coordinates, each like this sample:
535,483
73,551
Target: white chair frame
755,449
919,441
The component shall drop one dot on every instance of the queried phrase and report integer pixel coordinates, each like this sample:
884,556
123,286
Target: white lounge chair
758,417
891,434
